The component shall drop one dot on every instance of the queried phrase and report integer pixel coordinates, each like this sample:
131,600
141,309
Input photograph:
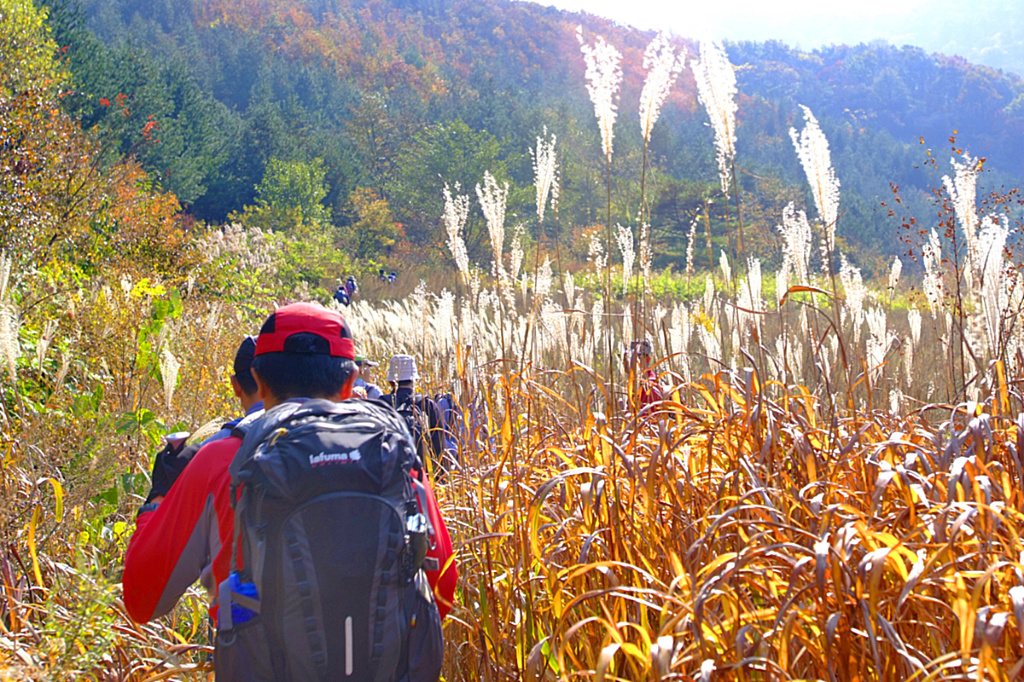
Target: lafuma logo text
334,458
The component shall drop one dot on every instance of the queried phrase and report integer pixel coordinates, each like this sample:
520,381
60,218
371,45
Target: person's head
402,370
639,353
304,350
362,364
242,382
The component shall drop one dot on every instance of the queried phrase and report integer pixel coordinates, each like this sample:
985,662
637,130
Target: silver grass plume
877,342
691,238
914,320
796,243
595,253
596,316
749,299
5,274
816,160
419,307
995,301
931,256
895,401
65,366
663,66
780,354
709,296
624,237
796,358
855,292
679,336
545,171
646,254
908,361
627,328
946,338
833,346
45,339
659,315
723,262
963,191
456,211
604,77
553,322
443,320
782,281
214,317
716,90
206,430
544,278
169,367
894,275
516,253
492,198
569,287
474,284
555,190
10,349
710,341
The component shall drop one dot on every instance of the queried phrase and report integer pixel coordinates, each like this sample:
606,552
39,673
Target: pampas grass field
829,488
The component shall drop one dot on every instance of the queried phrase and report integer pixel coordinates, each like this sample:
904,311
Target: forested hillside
381,102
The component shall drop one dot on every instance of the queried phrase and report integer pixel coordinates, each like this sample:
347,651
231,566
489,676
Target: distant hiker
453,424
392,277
350,286
372,391
303,610
342,296
381,276
422,414
637,361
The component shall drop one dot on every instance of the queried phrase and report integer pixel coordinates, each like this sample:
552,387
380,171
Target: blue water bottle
239,613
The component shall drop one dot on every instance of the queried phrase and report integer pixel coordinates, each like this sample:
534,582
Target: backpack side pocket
425,638
243,654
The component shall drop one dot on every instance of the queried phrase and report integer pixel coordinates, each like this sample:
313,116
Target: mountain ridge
305,76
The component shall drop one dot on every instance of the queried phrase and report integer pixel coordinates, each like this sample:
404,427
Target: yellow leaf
32,547
964,614
58,493
716,562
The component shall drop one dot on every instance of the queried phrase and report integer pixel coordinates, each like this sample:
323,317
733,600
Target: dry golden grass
741,529
733,535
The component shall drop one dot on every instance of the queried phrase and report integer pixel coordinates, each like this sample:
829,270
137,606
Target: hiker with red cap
324,555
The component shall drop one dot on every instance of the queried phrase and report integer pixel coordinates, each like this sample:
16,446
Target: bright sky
809,23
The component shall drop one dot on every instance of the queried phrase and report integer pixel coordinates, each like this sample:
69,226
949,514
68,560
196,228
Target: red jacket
650,389
188,538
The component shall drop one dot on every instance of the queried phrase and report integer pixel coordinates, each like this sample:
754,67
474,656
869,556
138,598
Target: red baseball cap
278,333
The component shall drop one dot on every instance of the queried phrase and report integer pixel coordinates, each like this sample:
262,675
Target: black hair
307,373
243,361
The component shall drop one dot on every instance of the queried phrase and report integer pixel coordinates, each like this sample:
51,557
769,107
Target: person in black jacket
421,412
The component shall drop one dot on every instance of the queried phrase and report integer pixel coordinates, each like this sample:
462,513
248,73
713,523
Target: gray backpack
326,574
